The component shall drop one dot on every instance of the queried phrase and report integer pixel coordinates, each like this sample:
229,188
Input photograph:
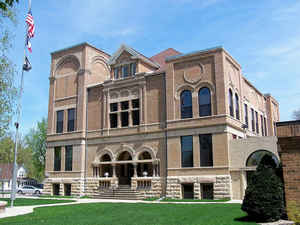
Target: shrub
293,211
264,199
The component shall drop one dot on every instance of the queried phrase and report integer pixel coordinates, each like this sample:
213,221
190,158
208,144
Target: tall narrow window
57,158
116,73
204,102
132,69
206,152
187,151
186,104
230,103
265,124
68,158
256,122
71,120
237,107
59,121
252,120
262,125
113,116
124,114
135,113
125,71
246,115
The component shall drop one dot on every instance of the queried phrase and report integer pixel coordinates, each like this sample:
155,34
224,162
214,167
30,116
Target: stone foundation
154,190
221,186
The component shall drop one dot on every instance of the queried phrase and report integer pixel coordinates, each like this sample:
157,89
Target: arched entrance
254,159
145,168
124,168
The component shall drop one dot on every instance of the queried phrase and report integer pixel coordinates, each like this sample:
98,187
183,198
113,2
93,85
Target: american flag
30,23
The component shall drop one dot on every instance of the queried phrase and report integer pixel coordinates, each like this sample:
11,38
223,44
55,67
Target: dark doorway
188,191
207,191
125,173
55,188
68,188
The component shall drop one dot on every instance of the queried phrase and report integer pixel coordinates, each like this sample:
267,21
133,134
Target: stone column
134,169
153,169
114,170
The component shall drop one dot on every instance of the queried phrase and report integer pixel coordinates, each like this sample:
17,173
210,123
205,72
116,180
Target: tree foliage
264,199
36,141
8,92
6,4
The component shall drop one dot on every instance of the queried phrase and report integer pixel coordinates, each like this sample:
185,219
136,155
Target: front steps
123,192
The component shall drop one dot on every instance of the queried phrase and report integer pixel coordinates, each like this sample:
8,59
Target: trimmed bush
264,199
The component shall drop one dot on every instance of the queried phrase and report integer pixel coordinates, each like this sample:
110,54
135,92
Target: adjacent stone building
289,150
176,125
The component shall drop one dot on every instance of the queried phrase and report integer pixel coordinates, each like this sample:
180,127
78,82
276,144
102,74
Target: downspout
166,135
86,139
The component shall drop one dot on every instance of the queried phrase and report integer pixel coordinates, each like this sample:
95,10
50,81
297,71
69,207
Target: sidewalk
21,210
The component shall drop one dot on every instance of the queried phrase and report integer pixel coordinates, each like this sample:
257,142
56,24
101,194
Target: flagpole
19,107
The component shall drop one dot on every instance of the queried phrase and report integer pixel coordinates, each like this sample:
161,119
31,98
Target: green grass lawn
33,201
194,200
132,214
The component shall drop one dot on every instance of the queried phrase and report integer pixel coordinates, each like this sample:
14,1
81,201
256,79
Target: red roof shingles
161,57
6,171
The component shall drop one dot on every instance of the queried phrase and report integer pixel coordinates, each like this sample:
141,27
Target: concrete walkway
21,210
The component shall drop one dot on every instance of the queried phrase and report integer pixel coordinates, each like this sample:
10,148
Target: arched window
186,104
204,102
237,107
230,103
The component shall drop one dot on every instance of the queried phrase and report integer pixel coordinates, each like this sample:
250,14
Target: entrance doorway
188,191
67,188
124,173
55,188
207,191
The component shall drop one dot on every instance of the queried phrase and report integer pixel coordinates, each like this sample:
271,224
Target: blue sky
263,36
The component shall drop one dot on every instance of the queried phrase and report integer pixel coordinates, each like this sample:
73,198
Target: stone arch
71,60
255,157
207,84
103,152
125,148
183,87
145,148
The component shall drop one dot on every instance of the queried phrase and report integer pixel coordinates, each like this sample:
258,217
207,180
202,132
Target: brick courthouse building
180,125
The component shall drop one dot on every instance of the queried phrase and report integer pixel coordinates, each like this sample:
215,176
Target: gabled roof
160,58
135,55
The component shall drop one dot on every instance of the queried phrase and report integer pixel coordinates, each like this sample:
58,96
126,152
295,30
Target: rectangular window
57,158
113,107
135,103
206,151
125,71
116,73
274,125
252,120
132,69
262,125
68,158
187,151
265,124
59,121
113,120
124,119
71,120
246,115
135,117
124,105
256,122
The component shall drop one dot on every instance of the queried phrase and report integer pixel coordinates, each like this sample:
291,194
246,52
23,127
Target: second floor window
187,151
116,73
57,158
68,158
204,100
246,115
125,71
206,151
59,121
265,125
262,125
252,120
71,120
132,69
237,107
256,122
230,103
186,104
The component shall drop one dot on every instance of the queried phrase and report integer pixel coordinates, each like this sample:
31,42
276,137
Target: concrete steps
123,192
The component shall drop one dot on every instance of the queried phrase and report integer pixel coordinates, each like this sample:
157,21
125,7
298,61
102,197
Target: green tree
296,114
36,141
7,68
264,199
6,4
